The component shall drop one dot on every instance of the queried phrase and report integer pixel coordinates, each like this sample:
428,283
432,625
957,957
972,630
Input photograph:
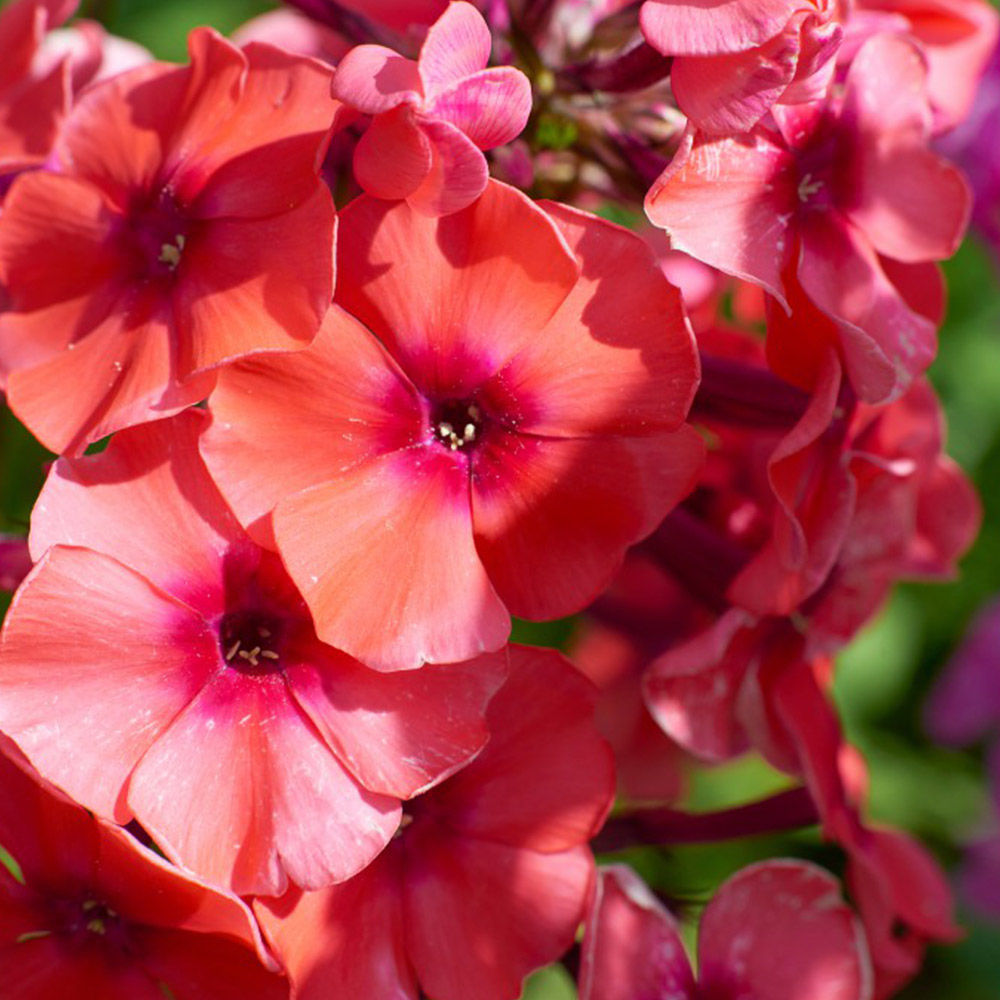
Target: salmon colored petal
546,778
351,404
457,45
375,79
607,362
498,270
155,467
255,285
486,895
491,107
393,157
722,200
118,132
731,92
391,604
553,516
93,670
267,156
32,117
707,27
632,947
56,244
119,375
884,343
242,790
347,940
779,930
397,733
458,174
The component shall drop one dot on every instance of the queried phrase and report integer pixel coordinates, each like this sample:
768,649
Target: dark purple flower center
250,641
85,922
457,423
157,233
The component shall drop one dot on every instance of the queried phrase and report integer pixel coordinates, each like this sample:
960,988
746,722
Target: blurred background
884,678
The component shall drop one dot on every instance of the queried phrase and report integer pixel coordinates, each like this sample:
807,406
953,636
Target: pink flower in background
734,61
777,930
839,212
33,97
433,116
164,668
489,875
957,36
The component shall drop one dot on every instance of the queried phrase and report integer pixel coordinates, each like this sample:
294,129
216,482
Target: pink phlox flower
432,117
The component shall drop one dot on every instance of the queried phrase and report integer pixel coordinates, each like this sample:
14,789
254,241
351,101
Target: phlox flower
183,224
489,875
157,664
732,61
433,116
837,210
492,412
87,911
776,930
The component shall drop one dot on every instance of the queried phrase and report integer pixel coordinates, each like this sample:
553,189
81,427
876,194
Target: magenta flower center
157,232
249,641
457,423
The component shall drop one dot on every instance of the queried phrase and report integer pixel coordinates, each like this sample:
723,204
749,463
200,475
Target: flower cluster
344,366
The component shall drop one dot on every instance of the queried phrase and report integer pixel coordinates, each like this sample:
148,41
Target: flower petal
553,516
486,896
707,27
393,157
391,604
95,662
151,468
779,930
632,946
489,278
491,107
727,202
242,790
397,733
610,361
457,45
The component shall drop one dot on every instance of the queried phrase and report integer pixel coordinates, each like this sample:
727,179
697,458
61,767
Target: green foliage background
883,679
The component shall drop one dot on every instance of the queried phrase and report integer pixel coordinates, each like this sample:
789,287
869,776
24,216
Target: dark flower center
457,423
249,641
157,229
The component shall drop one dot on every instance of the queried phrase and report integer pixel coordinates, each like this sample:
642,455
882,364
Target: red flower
85,910
184,225
158,664
492,416
489,874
